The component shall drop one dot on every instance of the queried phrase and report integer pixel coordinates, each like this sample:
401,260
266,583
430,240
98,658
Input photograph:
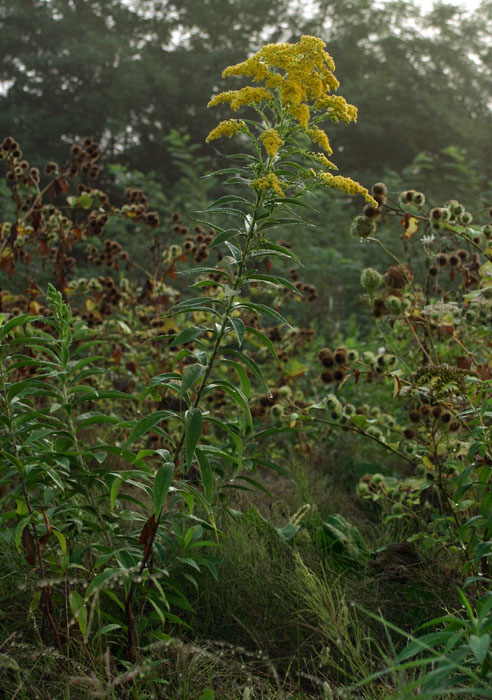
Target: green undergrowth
286,615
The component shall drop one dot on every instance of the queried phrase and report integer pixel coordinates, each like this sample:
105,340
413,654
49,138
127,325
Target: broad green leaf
190,375
227,171
239,329
162,483
288,532
264,341
189,303
226,210
272,279
198,308
236,252
208,694
480,646
274,249
14,322
187,335
21,508
80,364
164,378
360,421
262,308
226,199
194,428
224,236
143,426
23,522
297,202
62,541
237,396
242,376
205,283
84,201
87,419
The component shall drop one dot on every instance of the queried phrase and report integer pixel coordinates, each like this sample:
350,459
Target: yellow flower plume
268,182
298,78
229,127
347,185
271,141
302,76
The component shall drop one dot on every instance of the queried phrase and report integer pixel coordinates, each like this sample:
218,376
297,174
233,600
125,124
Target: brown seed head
397,277
379,188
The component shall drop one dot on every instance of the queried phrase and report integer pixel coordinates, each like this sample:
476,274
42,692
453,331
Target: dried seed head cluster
458,261
335,362
271,403
411,197
195,244
431,417
137,209
109,254
19,171
83,160
96,221
397,278
364,225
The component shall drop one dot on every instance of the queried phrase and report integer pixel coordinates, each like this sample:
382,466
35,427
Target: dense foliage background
256,536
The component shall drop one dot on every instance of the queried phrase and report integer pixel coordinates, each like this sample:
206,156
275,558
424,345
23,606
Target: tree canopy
128,73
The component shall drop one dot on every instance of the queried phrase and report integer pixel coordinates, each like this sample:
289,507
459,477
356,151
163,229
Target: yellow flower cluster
337,108
272,141
239,98
307,76
301,74
319,137
345,184
268,182
229,127
322,160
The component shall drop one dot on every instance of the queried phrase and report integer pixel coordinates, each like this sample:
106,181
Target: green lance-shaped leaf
145,424
79,611
14,322
161,486
115,487
187,335
264,340
194,427
239,329
98,582
190,375
480,646
206,474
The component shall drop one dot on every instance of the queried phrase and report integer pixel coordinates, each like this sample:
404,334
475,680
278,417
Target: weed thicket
200,500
